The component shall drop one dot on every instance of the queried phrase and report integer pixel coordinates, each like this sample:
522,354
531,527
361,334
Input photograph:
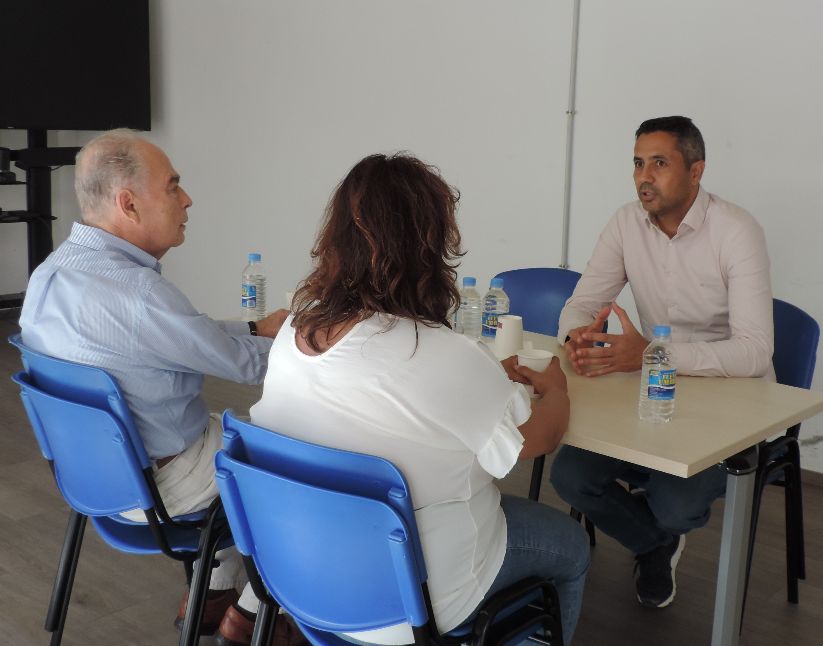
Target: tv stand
36,160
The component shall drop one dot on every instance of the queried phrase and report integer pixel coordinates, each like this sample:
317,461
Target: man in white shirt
699,265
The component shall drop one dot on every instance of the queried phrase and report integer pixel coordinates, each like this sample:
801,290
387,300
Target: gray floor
121,599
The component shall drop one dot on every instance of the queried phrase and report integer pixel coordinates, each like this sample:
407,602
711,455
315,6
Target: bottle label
661,384
248,299
489,324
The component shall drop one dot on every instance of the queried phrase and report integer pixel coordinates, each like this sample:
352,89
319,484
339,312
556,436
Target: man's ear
696,171
126,205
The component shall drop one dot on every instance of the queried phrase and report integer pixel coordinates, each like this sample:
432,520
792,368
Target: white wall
263,106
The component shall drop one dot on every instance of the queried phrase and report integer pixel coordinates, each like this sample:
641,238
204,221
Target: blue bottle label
661,384
489,324
249,296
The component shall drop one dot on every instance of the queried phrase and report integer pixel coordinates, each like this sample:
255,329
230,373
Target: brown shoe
216,603
237,628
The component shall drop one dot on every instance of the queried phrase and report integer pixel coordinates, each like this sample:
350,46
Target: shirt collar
96,238
695,216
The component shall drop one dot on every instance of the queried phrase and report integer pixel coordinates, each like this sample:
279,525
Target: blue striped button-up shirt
99,300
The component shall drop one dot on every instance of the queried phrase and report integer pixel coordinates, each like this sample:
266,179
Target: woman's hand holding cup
542,370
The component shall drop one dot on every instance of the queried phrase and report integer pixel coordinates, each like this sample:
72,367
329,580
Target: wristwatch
252,328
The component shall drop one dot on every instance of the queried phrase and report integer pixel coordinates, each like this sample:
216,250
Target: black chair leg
590,532
537,477
793,538
210,537
64,579
578,516
264,624
797,504
188,566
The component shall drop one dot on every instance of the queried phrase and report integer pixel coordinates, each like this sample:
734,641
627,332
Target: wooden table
715,419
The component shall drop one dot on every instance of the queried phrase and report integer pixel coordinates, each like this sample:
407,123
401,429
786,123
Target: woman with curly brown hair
368,362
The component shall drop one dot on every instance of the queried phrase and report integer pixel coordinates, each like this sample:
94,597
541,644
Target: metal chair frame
796,337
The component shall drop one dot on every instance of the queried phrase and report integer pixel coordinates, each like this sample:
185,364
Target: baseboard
813,478
12,313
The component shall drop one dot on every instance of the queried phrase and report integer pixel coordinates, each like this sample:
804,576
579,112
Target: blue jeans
547,543
670,505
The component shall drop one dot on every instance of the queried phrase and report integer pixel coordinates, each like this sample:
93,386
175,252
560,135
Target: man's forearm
726,358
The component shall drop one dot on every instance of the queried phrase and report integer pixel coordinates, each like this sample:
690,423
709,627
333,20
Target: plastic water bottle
495,303
470,315
253,298
657,379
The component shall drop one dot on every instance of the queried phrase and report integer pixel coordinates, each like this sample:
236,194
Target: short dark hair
389,244
689,140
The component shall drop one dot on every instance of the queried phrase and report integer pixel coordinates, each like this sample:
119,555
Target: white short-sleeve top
436,404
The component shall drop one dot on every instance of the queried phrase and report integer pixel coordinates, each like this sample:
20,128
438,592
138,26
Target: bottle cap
469,281
662,330
254,257
497,283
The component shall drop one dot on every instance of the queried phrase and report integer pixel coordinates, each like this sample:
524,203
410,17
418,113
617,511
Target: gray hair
105,165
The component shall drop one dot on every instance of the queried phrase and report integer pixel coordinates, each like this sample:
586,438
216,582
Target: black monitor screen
74,64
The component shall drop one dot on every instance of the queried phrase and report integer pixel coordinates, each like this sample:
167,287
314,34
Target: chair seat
137,538
193,517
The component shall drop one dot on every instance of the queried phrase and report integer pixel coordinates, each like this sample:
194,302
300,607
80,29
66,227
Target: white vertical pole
570,112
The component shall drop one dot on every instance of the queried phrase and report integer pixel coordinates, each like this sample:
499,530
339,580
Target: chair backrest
85,429
322,466
796,335
357,564
94,460
538,295
83,384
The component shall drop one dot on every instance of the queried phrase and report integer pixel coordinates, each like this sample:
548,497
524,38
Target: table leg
731,572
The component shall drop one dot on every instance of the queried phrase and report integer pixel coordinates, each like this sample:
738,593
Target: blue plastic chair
86,432
538,295
340,550
796,335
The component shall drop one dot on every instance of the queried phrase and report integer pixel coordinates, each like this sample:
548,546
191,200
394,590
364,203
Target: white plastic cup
509,338
537,360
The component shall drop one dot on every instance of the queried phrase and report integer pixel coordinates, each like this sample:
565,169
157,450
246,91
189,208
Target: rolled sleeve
179,338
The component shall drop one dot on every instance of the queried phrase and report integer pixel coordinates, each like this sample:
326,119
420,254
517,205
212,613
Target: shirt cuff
236,328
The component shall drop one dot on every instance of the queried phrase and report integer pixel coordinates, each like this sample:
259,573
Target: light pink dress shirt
710,283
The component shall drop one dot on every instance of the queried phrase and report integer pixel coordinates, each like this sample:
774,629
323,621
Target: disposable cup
537,360
509,337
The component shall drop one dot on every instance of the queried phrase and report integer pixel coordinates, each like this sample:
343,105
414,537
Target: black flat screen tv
74,64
